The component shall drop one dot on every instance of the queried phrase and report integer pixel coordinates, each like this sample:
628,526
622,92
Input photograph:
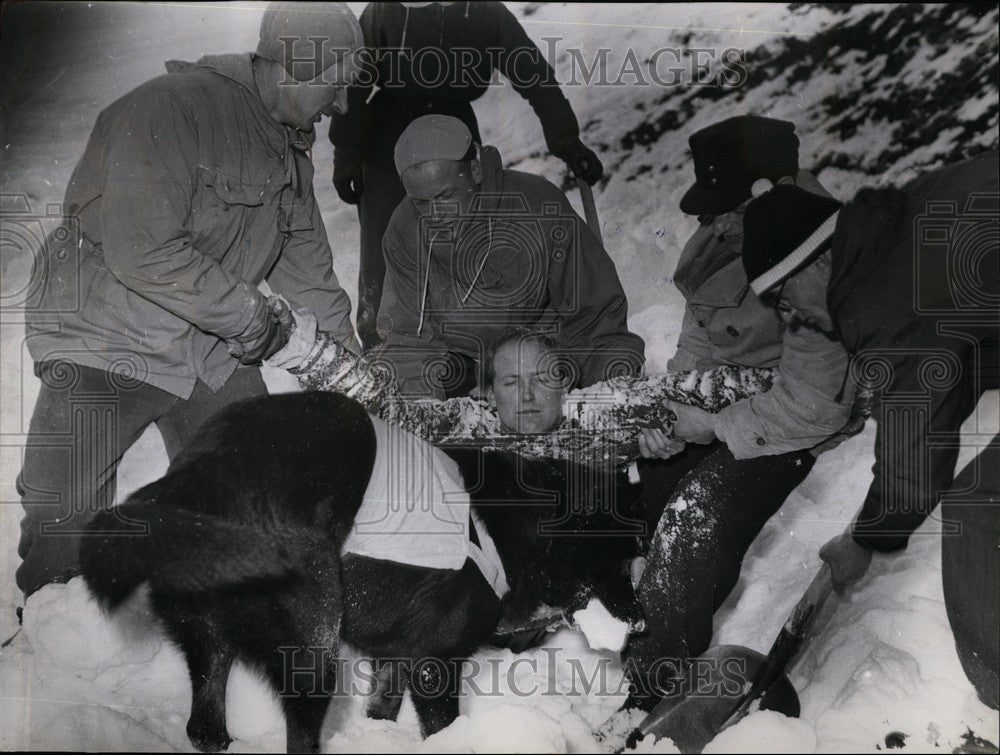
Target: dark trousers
84,421
383,191
708,522
970,569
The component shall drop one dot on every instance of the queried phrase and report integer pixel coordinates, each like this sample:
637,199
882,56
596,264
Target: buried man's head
438,163
526,376
307,56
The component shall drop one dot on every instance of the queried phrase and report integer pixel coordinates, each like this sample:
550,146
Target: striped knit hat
783,228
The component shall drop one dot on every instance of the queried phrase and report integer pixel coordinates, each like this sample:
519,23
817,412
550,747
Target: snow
602,630
881,659
765,731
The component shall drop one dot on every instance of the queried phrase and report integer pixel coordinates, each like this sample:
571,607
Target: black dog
243,559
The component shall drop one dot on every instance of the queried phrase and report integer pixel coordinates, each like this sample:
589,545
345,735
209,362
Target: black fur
242,557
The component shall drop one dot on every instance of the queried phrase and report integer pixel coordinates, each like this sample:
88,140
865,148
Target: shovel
694,720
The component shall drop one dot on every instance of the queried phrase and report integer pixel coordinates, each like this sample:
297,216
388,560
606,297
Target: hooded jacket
521,257
458,47
187,196
914,272
726,324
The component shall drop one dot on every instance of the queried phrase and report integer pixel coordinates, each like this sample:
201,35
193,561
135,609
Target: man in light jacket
708,501
474,250
193,188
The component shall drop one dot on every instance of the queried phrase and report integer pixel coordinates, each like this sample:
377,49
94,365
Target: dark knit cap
730,155
783,228
307,39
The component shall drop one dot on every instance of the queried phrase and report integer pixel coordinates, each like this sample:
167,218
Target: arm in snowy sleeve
304,275
407,351
693,347
589,303
152,163
802,409
524,65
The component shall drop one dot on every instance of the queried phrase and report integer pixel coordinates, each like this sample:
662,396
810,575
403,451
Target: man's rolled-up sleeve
802,409
152,164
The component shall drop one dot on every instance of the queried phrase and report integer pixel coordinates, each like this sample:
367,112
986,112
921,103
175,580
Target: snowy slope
877,92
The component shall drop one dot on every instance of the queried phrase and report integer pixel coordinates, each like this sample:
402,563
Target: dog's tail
187,551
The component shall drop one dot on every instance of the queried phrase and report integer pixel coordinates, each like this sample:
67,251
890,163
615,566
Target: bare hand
693,424
656,444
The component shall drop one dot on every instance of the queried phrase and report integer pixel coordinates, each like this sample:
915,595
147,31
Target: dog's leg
389,684
305,682
434,686
209,660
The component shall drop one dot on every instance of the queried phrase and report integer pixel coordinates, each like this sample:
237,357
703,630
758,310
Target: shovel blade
721,679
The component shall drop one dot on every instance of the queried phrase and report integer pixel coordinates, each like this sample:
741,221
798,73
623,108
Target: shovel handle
800,620
589,207
788,642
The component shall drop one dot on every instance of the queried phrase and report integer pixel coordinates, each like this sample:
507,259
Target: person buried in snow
475,249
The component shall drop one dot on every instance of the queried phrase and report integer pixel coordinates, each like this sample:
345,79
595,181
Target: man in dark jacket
433,58
476,249
194,188
908,280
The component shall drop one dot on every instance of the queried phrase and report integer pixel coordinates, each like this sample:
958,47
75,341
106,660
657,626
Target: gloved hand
848,560
582,161
347,181
302,328
264,337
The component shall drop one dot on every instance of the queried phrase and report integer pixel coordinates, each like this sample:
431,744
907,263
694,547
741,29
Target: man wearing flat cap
434,57
726,474
475,249
193,189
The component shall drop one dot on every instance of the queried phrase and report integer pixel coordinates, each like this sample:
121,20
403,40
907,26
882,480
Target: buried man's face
527,387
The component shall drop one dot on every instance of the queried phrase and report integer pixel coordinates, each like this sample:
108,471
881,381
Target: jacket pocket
223,190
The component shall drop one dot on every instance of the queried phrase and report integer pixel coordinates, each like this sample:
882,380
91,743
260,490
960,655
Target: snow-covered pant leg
970,570
694,560
660,477
84,421
383,191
